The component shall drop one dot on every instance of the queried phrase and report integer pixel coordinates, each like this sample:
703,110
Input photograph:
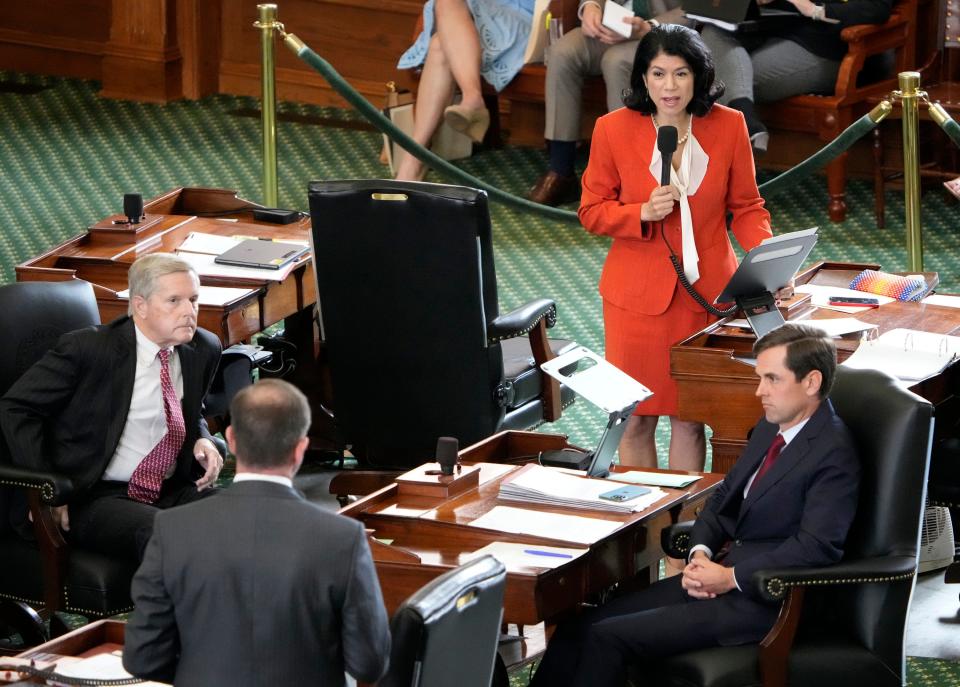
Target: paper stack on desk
551,487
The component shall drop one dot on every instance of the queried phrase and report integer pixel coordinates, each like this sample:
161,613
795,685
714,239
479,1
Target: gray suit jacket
256,586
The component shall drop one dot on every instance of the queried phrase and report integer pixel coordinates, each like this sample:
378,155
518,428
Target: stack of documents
551,487
907,354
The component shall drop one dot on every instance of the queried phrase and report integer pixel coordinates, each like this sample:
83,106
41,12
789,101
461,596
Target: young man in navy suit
787,502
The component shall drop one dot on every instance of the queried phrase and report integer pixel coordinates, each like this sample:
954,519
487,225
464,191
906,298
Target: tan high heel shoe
473,123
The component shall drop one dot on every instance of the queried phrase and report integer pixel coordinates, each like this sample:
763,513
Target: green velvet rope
787,179
374,116
840,144
952,130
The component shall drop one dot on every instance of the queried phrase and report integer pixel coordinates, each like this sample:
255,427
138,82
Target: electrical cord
694,294
54,676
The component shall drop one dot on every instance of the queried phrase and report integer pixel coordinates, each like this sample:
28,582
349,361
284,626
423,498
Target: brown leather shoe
554,189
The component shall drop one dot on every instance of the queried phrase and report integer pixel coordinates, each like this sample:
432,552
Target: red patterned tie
146,480
772,454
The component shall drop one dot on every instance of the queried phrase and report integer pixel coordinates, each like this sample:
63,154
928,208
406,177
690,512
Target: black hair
679,41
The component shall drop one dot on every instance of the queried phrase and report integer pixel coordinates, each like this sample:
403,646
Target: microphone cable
688,287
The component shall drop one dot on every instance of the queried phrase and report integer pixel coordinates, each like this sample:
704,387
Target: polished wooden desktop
719,390
103,253
98,637
429,535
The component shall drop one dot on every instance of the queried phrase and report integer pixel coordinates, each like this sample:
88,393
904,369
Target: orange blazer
637,274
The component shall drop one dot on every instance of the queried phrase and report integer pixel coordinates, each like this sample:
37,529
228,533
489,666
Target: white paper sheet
820,296
613,16
209,295
946,301
525,555
659,479
573,528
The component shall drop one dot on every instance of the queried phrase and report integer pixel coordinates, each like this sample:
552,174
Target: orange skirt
640,346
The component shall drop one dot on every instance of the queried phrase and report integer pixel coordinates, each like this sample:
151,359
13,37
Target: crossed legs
453,59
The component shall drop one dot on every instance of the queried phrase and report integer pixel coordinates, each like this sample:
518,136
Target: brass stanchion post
267,24
909,95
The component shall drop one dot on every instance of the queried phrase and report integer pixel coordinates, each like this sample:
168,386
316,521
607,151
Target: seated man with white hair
118,409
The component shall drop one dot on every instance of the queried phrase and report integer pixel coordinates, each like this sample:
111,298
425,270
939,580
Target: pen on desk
551,554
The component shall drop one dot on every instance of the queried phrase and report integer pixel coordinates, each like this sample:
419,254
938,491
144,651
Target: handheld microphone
133,207
448,449
666,144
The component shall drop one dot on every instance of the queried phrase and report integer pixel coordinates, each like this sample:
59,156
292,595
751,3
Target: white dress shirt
146,421
260,477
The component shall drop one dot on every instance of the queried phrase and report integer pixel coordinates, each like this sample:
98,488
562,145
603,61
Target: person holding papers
646,308
787,502
591,49
461,41
801,57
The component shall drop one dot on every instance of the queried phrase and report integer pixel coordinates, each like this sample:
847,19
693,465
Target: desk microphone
133,207
448,449
666,144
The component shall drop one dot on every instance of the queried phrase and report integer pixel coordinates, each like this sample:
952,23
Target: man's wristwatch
819,13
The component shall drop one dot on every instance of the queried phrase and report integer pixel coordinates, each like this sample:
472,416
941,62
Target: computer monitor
762,272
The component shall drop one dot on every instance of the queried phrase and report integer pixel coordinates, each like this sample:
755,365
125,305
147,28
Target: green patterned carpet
68,157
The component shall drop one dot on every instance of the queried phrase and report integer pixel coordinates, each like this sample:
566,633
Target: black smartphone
850,300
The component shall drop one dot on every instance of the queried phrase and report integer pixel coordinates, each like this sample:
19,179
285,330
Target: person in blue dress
462,41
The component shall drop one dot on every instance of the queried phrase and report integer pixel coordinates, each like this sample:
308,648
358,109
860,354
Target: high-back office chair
46,573
447,633
854,613
411,325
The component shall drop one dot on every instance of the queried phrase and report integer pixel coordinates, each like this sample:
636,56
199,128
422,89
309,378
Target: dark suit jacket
256,587
798,515
67,412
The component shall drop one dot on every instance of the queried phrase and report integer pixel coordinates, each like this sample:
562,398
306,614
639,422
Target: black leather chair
416,344
843,624
944,490
46,573
447,633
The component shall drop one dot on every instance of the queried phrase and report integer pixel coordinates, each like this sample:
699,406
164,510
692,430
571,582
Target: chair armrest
54,489
522,320
773,584
675,540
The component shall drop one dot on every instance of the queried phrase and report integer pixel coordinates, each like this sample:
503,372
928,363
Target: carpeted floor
68,157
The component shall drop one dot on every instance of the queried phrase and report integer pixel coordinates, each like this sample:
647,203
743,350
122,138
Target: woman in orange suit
645,307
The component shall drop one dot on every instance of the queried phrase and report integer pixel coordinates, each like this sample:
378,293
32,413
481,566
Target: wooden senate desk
103,254
98,637
717,389
429,535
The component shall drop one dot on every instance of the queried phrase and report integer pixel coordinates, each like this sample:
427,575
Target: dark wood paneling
362,39
64,37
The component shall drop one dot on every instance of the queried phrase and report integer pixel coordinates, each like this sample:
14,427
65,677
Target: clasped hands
704,579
